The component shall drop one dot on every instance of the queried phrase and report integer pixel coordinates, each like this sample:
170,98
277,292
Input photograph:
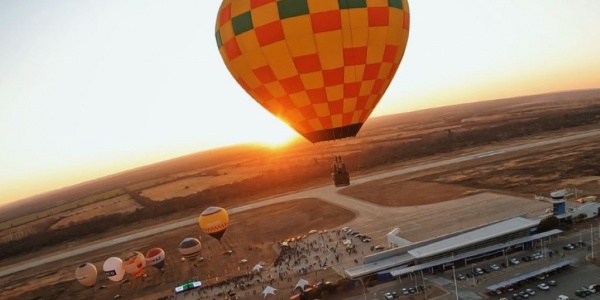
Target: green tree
548,223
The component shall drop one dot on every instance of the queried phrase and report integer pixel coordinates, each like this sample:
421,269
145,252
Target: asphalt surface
366,211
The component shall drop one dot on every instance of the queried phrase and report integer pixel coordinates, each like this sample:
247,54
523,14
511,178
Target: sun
277,135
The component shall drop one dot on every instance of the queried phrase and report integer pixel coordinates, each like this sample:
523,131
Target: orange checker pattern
321,66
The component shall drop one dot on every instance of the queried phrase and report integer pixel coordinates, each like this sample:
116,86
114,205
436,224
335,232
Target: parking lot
579,274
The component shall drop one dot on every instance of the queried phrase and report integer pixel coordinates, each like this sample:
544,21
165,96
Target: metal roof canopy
514,280
438,262
475,236
383,264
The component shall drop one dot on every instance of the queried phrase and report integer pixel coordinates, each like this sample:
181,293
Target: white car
495,267
514,261
530,292
388,296
543,287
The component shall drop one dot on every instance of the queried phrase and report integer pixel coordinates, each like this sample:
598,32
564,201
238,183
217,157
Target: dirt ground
397,192
269,224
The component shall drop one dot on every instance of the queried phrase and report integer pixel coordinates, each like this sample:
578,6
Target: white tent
268,290
257,267
301,284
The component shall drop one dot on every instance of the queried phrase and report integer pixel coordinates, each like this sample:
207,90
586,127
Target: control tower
559,206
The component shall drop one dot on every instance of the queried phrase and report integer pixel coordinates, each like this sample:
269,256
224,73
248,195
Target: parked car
516,297
523,295
495,267
581,293
542,286
461,276
530,292
552,283
569,247
514,261
388,296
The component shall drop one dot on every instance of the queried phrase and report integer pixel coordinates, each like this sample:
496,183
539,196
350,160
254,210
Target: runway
366,211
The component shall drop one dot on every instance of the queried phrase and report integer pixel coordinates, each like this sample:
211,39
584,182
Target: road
366,211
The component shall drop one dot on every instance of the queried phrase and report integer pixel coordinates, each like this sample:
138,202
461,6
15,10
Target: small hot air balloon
113,268
213,221
190,248
321,66
156,257
86,274
135,263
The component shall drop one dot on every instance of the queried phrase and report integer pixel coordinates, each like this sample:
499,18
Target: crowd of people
301,258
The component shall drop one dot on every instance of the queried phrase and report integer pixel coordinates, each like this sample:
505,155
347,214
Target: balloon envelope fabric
319,65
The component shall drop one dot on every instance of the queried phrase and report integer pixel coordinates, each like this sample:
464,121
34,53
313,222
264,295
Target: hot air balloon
135,263
213,221
156,257
190,248
321,66
86,274
113,268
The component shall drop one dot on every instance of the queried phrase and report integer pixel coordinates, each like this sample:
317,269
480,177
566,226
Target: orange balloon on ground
86,274
134,263
214,221
321,66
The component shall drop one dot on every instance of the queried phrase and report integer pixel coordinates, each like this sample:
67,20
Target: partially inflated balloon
319,65
156,257
213,221
113,268
190,248
135,263
86,274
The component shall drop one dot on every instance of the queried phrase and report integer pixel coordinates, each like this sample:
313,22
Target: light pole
424,286
455,285
473,272
592,241
505,257
364,290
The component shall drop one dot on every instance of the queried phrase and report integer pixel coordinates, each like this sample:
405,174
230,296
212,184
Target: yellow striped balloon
321,66
214,221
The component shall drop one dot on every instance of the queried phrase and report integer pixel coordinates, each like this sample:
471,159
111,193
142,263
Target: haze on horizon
92,88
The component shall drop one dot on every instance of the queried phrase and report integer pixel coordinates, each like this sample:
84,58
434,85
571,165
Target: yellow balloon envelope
135,263
213,221
319,65
86,274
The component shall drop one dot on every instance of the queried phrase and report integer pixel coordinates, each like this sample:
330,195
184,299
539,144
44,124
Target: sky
91,88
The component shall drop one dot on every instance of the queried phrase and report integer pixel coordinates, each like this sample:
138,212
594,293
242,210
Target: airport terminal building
459,248
468,246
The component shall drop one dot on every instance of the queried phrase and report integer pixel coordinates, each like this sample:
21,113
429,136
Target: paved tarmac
366,211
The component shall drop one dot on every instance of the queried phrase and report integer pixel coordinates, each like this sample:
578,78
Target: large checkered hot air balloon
319,65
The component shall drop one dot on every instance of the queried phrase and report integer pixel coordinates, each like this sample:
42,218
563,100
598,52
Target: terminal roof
475,236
